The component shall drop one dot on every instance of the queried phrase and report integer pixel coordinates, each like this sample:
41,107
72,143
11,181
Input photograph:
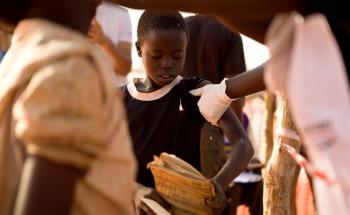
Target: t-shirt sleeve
59,115
189,102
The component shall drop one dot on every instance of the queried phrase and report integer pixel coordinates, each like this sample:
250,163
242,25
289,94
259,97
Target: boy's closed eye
175,56
178,56
158,56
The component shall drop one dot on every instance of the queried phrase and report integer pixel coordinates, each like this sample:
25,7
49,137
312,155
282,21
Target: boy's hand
218,204
213,102
149,193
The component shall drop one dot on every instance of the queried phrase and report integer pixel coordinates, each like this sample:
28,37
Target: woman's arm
216,98
120,53
246,83
46,187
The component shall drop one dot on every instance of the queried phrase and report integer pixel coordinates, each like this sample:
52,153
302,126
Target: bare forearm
46,187
241,153
246,83
122,60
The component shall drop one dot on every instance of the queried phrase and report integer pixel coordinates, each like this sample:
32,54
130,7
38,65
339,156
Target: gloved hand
213,102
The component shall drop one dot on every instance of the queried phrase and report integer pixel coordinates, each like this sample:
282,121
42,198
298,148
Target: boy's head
162,41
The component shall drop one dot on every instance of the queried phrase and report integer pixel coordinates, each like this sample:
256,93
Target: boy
57,99
163,115
336,22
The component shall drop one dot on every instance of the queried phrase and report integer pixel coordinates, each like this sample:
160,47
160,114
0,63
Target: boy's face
163,55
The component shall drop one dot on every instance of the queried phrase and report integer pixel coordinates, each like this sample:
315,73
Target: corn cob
180,166
183,187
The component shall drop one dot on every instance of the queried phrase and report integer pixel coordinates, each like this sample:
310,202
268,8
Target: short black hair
159,20
13,11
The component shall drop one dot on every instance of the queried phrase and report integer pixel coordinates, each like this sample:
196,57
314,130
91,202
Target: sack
315,83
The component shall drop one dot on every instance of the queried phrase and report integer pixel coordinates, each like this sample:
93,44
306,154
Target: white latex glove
213,102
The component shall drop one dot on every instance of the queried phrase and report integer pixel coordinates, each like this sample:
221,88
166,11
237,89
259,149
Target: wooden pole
279,182
268,137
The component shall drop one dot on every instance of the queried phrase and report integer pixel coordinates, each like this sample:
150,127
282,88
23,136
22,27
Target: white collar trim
155,94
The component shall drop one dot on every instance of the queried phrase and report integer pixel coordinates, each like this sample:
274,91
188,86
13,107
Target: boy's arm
237,161
241,153
242,148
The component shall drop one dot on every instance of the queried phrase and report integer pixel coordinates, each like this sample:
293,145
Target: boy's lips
166,77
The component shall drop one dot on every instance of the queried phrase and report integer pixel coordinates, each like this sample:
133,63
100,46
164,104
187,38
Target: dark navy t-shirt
169,123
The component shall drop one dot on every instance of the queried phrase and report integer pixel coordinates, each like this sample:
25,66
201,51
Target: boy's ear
138,48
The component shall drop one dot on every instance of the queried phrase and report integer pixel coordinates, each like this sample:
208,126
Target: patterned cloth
57,98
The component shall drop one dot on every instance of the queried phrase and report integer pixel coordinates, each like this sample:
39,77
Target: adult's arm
120,52
216,98
61,135
246,83
46,187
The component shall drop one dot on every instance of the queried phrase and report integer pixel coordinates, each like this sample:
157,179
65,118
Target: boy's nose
167,63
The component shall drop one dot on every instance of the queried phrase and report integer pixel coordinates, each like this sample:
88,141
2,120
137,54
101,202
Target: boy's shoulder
191,83
130,85
123,88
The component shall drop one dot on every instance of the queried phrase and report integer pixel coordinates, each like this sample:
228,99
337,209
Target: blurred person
5,38
64,142
111,30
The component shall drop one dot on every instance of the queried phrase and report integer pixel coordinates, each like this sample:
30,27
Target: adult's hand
96,33
213,102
